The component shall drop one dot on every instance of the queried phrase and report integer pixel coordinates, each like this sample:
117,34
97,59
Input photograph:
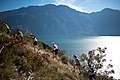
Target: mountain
62,20
106,22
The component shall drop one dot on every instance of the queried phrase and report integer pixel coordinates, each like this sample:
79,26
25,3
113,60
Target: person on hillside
19,35
35,41
5,31
91,73
19,39
5,28
54,50
77,63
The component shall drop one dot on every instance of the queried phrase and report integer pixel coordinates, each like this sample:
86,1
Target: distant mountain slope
106,22
62,20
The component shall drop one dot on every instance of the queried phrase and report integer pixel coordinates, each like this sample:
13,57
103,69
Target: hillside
21,60
62,20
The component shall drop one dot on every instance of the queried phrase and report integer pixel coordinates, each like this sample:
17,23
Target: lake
83,44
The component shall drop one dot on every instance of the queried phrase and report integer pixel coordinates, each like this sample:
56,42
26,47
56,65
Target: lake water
83,44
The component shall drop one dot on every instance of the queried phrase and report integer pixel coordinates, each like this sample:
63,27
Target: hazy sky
80,5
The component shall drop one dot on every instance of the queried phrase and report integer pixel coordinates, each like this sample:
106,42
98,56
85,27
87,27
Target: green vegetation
97,59
19,61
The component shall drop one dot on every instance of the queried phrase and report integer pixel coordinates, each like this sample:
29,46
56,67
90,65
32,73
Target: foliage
19,61
97,59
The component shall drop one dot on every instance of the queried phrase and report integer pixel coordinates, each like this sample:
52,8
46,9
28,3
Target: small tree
97,59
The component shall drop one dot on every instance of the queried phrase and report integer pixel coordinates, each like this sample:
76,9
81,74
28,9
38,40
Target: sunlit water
78,45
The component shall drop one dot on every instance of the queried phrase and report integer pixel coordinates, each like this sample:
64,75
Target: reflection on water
78,45
113,50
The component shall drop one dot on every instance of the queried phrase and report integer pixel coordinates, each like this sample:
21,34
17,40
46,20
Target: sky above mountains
80,5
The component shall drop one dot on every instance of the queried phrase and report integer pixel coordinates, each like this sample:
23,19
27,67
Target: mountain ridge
62,20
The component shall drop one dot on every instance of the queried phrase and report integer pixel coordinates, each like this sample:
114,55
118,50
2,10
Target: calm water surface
78,45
